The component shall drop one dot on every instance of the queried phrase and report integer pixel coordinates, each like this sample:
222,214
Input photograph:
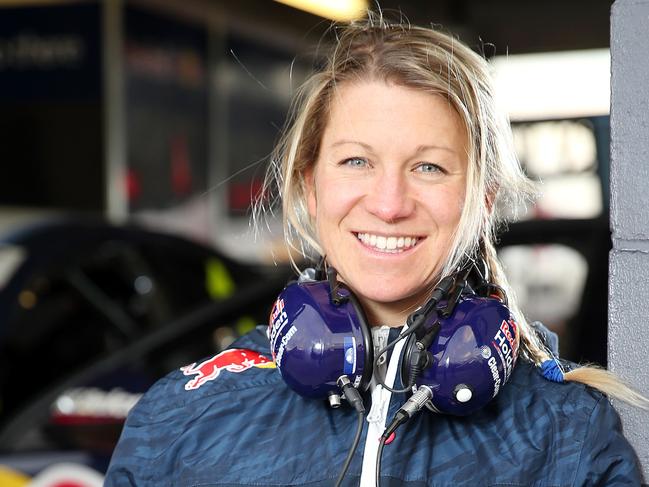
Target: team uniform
232,421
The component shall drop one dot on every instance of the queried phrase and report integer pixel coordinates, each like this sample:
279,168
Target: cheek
333,200
447,208
456,208
327,212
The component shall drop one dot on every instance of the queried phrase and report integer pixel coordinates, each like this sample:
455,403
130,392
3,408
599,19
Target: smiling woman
397,160
393,172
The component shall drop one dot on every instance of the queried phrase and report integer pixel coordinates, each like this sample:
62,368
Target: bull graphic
234,360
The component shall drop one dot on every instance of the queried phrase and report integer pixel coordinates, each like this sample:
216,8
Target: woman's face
386,193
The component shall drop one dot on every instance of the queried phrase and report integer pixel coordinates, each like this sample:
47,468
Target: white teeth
387,244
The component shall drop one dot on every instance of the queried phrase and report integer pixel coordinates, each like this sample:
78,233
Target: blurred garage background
134,135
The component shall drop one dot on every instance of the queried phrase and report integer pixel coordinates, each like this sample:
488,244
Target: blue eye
355,162
428,167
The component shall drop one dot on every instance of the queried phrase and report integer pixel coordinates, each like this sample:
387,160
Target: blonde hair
434,62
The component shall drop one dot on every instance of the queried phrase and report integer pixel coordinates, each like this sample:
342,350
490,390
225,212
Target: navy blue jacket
244,427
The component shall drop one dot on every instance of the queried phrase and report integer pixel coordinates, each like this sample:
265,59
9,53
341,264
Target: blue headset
462,344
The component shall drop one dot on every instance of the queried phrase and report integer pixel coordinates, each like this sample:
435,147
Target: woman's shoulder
527,386
573,412
565,431
209,404
569,397
245,366
561,415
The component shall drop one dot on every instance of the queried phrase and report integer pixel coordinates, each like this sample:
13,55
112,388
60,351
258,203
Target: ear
490,199
309,185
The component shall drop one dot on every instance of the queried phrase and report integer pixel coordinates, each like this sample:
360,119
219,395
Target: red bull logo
278,307
234,360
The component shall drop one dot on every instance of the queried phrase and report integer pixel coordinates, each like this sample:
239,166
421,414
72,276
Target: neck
389,314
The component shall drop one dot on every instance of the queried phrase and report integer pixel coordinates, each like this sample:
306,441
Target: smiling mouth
388,245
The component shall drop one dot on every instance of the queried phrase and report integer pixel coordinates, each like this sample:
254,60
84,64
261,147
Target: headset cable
411,407
354,398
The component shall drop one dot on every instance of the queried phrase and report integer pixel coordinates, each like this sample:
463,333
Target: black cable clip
339,295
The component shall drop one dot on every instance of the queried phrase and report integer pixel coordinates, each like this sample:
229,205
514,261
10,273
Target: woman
394,169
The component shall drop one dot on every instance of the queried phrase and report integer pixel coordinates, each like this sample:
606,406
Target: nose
390,197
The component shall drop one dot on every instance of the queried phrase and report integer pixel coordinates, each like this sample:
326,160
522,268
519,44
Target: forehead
370,110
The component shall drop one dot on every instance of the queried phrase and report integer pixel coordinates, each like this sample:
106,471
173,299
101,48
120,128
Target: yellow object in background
245,324
218,281
12,478
340,10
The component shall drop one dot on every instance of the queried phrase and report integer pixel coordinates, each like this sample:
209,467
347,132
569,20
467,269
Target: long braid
533,349
531,346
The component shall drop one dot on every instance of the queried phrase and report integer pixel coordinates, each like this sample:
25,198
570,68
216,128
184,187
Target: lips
389,244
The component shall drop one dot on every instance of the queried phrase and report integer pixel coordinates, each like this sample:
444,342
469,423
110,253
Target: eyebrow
419,148
346,141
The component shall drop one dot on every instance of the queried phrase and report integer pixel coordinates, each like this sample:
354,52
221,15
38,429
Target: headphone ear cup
314,341
473,355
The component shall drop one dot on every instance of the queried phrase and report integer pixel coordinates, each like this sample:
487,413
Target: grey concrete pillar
628,335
